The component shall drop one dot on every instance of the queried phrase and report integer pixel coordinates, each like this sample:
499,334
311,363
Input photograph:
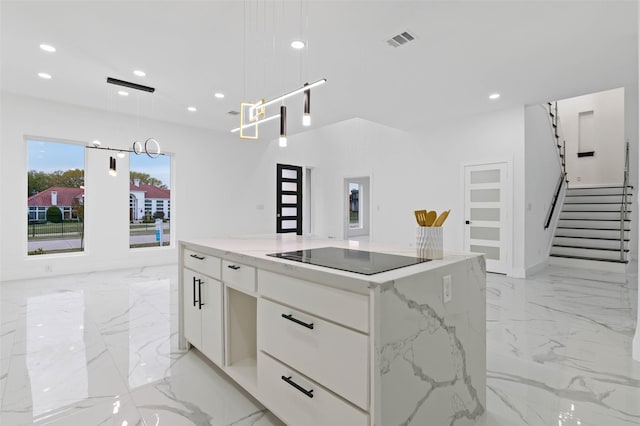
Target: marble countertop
253,250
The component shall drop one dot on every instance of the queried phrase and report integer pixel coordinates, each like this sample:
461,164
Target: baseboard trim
531,270
517,273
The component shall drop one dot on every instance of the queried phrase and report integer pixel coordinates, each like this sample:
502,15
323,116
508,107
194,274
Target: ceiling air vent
232,112
400,39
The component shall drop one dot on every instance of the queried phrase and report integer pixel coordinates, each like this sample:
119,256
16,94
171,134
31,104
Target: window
55,197
150,191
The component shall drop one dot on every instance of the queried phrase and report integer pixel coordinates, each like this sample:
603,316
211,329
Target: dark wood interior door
289,199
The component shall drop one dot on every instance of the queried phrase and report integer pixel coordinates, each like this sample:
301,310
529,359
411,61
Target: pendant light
306,116
112,166
283,126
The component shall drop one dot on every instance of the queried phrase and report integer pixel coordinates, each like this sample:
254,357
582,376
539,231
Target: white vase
429,242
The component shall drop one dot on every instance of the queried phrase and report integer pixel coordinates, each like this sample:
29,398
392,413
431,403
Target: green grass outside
353,217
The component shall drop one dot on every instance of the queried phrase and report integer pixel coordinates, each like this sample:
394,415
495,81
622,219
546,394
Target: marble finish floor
101,349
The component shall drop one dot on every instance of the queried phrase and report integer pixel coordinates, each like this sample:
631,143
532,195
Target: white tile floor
101,349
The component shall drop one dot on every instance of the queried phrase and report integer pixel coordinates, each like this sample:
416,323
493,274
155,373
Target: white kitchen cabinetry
321,347
333,355
202,306
297,400
240,346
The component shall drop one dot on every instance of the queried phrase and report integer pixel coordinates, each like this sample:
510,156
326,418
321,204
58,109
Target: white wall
636,338
607,165
542,173
407,171
209,192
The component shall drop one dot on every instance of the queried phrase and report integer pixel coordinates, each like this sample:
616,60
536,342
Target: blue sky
159,168
52,156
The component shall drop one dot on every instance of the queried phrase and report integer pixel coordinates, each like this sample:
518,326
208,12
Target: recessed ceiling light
219,95
123,93
44,75
297,44
192,109
47,48
494,96
140,73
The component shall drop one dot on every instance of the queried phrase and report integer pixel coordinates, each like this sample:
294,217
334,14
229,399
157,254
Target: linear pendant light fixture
292,93
255,123
306,116
253,114
130,85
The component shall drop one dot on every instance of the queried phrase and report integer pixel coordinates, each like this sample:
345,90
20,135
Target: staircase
593,225
555,125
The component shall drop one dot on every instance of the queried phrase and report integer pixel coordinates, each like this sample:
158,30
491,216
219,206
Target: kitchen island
322,346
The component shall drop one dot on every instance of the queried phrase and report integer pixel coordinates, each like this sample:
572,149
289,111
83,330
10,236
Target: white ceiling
529,51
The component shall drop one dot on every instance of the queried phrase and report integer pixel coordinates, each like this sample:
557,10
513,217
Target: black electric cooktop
358,261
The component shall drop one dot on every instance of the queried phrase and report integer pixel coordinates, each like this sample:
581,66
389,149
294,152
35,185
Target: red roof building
148,201
144,200
63,198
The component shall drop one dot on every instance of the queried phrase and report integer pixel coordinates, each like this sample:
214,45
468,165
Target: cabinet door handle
200,304
309,393
195,256
194,291
234,267
297,321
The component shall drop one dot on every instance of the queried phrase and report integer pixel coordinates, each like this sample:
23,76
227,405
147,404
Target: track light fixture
283,126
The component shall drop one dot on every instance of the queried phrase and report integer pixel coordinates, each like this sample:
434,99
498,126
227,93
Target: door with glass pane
486,228
289,199
357,212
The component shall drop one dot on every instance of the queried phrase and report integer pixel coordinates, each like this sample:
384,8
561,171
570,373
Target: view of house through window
149,201
55,197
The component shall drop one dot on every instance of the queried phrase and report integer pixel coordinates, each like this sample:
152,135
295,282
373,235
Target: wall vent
400,39
232,112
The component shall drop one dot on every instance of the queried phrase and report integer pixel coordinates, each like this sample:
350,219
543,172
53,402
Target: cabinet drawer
334,356
239,275
203,263
317,407
340,306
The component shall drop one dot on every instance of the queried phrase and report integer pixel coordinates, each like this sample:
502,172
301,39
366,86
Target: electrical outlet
447,290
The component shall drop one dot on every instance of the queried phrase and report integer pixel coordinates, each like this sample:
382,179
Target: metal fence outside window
48,230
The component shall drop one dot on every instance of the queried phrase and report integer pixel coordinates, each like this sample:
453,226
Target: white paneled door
485,206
